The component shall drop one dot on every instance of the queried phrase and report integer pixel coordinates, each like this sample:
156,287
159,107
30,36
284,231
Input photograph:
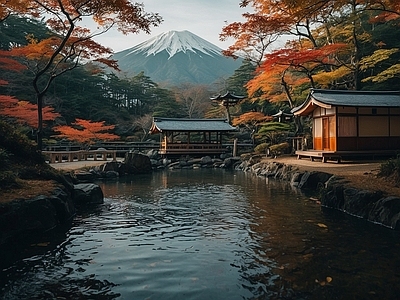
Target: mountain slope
177,57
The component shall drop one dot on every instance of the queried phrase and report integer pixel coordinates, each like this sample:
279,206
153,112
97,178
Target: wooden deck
70,156
337,156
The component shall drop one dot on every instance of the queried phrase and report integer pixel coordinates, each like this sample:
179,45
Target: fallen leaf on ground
322,225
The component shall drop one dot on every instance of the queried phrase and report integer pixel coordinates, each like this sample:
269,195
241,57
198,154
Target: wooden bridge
63,152
79,155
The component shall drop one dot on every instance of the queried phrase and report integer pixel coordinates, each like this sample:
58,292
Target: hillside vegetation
21,166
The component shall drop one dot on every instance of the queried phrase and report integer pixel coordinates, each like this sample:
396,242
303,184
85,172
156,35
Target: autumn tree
86,132
257,34
23,111
330,45
71,43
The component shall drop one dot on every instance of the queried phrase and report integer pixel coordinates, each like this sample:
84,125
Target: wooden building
351,123
191,136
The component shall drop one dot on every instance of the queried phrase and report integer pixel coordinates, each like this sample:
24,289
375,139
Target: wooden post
235,147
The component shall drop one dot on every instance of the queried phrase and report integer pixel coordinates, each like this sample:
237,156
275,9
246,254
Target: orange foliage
292,67
251,119
257,33
306,57
86,132
299,57
71,40
23,111
8,7
71,43
8,63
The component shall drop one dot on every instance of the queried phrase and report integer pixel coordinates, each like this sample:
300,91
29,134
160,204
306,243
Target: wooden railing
177,148
70,156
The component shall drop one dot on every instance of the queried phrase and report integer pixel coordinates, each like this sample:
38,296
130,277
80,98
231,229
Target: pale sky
205,18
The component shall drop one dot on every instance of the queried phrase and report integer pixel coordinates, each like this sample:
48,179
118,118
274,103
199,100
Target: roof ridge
327,91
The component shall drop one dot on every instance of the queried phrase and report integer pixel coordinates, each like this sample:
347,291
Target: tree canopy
332,44
70,42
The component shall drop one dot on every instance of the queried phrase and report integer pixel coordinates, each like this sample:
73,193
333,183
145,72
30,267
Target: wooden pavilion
191,136
351,123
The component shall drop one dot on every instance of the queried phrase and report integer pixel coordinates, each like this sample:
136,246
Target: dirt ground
76,165
362,174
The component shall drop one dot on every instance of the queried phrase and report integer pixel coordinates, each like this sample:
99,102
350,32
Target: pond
207,234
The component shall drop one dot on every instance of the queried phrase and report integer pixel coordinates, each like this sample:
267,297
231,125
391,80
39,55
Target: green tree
14,31
50,58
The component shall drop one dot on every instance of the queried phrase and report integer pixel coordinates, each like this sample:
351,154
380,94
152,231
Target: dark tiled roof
170,124
357,98
349,98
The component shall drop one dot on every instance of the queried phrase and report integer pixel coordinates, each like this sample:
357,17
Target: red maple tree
23,111
86,131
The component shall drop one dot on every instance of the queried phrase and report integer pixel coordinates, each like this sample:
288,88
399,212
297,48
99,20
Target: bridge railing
70,156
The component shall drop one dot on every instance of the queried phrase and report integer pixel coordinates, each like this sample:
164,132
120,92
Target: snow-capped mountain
177,57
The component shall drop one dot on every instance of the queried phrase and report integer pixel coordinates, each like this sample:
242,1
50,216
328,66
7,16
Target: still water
208,234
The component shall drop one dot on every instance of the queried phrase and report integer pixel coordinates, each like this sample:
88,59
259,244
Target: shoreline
362,174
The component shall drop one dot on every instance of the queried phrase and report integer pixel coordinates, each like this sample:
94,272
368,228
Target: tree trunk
39,134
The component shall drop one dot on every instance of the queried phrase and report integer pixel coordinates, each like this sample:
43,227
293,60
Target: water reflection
210,234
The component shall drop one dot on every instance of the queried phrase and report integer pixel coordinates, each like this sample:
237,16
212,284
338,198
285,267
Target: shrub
18,144
390,167
8,179
279,148
4,158
261,148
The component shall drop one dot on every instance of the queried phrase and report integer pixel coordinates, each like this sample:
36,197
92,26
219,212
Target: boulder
152,154
110,166
386,211
206,160
20,219
230,162
314,180
359,202
136,163
87,193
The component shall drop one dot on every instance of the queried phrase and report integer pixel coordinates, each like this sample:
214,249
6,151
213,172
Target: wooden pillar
235,147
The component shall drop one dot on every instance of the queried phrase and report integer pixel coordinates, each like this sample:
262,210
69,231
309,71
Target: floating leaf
322,225
328,279
44,244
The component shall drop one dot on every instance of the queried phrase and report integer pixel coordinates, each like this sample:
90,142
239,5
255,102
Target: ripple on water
207,235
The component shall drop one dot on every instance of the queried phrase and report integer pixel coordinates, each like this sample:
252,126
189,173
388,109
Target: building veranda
195,137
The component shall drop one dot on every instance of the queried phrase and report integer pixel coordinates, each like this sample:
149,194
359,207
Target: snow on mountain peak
174,42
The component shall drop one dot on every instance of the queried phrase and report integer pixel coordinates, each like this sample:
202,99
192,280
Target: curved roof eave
190,125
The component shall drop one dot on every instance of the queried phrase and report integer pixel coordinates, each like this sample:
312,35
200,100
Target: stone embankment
23,218
333,191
